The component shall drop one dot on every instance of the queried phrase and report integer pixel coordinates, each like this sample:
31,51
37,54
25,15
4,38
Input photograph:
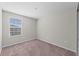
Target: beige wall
59,28
0,29
28,29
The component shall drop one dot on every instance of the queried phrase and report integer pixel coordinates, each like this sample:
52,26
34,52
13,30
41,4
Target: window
15,26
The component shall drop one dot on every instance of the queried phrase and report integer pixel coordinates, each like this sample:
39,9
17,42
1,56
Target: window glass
15,26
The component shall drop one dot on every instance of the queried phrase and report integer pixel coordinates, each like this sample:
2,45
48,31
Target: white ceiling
38,9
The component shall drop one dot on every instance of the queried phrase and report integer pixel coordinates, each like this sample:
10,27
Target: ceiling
38,9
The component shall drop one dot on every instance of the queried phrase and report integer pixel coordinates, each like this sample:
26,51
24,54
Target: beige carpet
35,48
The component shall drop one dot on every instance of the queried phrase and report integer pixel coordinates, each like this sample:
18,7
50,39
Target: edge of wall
0,29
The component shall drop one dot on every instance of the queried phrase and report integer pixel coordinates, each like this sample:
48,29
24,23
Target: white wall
78,32
25,9
28,29
0,29
59,27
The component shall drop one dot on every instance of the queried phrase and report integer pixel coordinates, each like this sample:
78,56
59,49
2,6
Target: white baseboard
58,45
17,43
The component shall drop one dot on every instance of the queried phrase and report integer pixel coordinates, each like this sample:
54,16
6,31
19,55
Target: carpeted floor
35,48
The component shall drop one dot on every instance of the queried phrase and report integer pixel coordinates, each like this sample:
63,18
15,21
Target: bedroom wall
60,26
22,9
0,29
28,31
